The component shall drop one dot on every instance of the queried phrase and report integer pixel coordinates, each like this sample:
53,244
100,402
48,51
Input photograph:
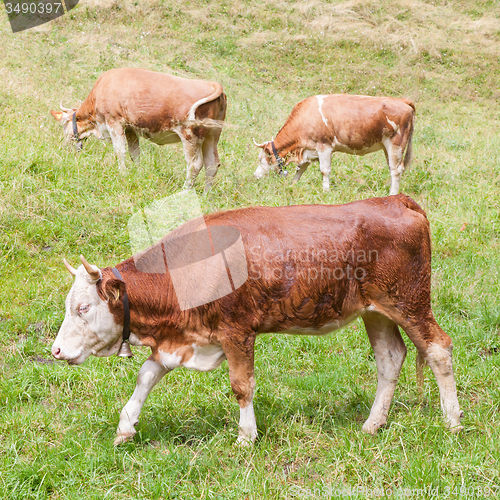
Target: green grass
313,394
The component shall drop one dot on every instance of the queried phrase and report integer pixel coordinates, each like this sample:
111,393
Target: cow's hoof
244,442
122,438
456,429
370,427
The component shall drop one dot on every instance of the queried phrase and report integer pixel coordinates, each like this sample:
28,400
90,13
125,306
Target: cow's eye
83,309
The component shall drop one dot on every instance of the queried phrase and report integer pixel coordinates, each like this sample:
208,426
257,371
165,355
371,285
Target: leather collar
126,308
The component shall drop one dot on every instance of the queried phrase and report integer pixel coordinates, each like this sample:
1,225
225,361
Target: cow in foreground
311,269
323,124
129,103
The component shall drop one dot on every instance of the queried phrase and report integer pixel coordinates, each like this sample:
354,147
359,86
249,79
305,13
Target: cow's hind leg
437,353
133,144
149,375
435,346
194,157
394,157
240,359
390,352
211,157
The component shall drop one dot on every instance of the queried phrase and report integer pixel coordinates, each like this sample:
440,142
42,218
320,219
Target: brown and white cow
311,270
129,103
323,124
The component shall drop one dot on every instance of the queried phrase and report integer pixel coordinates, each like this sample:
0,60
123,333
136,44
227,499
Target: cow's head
65,119
88,327
266,160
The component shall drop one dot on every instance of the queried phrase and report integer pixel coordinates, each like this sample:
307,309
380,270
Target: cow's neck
151,313
284,143
85,114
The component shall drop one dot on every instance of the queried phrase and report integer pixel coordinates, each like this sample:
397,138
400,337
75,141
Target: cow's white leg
240,359
247,428
395,161
194,157
119,141
439,359
301,168
325,166
149,375
134,149
211,157
390,352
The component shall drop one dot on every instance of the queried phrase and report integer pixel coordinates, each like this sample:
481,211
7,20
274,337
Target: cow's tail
409,146
411,204
218,91
419,365
409,102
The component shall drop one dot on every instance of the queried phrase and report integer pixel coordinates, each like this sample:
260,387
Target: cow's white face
265,161
88,327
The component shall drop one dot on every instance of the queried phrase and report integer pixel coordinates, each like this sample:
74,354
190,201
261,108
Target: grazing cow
127,103
355,124
311,269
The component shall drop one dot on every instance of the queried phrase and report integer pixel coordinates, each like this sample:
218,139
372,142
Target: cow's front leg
240,359
119,141
325,166
390,352
301,168
149,375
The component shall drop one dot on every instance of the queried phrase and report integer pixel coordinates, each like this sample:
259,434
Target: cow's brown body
311,269
127,103
321,125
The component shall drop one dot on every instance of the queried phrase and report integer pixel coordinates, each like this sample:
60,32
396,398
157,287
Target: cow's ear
114,290
57,115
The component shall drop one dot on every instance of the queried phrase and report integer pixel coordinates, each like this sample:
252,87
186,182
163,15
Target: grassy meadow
57,422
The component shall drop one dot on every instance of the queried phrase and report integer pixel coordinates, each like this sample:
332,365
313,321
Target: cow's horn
69,267
259,145
66,110
93,273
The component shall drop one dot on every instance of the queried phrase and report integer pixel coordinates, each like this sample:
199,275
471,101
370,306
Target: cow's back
147,99
395,215
355,121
